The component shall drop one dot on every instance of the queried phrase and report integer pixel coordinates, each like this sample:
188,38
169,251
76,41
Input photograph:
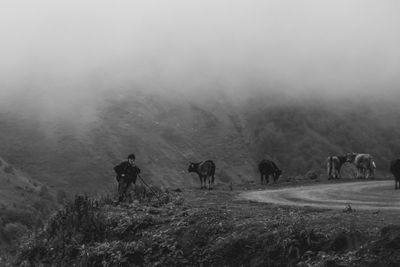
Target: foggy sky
60,54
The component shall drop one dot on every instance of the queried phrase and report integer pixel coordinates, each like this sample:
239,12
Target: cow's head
192,167
350,157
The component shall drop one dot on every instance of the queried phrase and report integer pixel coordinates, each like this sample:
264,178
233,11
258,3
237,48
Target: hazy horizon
65,55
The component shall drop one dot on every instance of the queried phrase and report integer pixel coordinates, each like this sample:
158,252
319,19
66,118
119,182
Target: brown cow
206,171
364,163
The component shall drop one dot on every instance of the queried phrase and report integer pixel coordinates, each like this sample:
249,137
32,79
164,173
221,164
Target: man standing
127,173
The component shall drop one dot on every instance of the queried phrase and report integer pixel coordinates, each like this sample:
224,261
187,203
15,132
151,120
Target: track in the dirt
366,195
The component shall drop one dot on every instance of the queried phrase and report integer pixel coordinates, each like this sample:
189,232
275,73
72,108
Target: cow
334,164
267,168
395,170
206,172
364,163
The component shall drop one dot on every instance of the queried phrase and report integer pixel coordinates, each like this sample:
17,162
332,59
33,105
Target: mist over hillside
167,131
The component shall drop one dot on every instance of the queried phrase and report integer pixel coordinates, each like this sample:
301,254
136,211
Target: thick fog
58,56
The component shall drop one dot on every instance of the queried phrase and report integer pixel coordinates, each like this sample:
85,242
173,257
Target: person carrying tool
127,173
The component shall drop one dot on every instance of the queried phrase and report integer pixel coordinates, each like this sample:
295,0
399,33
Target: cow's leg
262,178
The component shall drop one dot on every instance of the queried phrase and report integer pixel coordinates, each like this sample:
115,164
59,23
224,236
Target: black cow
395,170
205,170
334,164
267,168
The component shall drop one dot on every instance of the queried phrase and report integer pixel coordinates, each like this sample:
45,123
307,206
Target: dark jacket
127,172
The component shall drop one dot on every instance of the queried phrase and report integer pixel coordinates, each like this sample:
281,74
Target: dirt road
366,195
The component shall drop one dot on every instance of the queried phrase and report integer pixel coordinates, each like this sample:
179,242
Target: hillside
300,135
211,228
166,132
24,204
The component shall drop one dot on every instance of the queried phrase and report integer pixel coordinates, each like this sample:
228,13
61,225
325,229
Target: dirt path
366,195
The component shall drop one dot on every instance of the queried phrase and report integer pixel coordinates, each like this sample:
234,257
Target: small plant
14,231
9,169
61,196
45,193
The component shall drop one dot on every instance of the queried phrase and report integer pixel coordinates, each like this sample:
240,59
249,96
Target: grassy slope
300,136
18,189
23,204
215,228
165,136
166,132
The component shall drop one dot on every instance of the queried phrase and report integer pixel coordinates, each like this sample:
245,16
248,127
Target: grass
212,228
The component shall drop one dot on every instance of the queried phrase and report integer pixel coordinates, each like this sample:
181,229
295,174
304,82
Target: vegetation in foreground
210,228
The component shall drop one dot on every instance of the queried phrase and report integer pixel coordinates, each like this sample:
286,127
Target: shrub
79,219
60,242
45,193
16,215
14,231
9,169
61,196
41,206
114,253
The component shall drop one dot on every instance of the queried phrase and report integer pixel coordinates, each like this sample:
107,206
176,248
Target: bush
79,218
9,169
16,215
61,196
45,193
78,223
114,253
14,231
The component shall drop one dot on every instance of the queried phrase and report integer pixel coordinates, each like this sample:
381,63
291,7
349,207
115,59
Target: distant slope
14,185
24,203
300,136
166,132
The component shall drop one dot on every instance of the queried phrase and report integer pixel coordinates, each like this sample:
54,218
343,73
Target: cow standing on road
364,163
395,170
334,164
206,171
267,168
